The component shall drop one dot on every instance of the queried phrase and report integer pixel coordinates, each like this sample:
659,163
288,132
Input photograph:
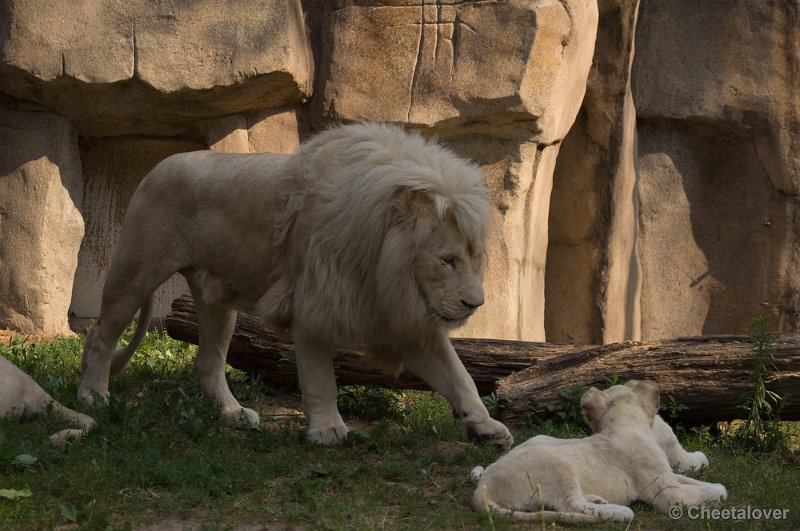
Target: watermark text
727,513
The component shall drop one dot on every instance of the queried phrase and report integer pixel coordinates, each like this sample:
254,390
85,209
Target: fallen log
706,374
257,350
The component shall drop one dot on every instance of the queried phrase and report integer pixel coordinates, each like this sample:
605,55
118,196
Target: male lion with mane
366,237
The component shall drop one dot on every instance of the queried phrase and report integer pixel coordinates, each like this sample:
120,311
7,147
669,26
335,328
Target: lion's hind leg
581,509
135,273
101,343
684,491
602,510
588,513
216,328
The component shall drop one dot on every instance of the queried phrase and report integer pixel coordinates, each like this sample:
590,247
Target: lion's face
449,274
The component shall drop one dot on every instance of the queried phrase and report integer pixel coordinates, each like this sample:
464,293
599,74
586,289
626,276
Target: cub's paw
476,473
61,437
328,435
721,491
609,511
240,416
492,432
693,461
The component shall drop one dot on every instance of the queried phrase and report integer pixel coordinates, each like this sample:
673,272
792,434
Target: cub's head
634,404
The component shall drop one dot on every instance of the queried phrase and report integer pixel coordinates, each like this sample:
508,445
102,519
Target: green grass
159,454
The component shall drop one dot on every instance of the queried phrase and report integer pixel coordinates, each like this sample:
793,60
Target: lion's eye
449,261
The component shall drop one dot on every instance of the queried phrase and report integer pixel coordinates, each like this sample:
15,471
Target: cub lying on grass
21,397
593,479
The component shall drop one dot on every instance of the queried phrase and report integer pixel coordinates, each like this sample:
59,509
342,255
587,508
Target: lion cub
21,397
593,479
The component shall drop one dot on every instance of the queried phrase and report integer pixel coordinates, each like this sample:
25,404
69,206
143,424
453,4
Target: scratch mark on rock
436,29
418,65
135,53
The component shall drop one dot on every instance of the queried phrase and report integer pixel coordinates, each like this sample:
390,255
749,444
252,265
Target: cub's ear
649,396
594,405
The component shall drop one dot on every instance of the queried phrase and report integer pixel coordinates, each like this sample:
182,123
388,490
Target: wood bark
257,350
709,374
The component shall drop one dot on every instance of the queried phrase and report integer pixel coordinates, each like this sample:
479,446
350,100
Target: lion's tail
122,356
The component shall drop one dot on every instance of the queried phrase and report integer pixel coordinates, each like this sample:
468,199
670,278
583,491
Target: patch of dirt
7,335
196,524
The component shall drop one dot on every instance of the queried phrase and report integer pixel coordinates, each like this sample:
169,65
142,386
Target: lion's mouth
448,319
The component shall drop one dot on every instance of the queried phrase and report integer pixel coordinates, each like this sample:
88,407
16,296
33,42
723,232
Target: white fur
21,397
595,478
678,457
367,237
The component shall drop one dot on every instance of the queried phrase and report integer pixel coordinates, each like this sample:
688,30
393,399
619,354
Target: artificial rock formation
40,175
718,119
500,83
154,68
642,155
134,84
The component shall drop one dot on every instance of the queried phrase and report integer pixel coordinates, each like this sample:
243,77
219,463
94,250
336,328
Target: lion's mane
349,241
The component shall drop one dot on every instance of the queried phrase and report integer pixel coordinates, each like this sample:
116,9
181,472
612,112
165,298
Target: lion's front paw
491,431
328,435
240,416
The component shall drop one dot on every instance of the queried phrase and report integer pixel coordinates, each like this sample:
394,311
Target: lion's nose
472,305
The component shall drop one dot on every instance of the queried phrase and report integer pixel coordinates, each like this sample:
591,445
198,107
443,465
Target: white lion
21,397
593,479
367,238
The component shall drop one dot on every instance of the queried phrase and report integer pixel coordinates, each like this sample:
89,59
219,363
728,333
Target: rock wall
642,155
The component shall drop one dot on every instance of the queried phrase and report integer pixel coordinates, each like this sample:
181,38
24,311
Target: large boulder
675,196
154,67
500,83
40,224
511,69
593,277
719,164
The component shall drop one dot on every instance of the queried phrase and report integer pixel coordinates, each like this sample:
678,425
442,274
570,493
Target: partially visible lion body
22,397
595,478
367,237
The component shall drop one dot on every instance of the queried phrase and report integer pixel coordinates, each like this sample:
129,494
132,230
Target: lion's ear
649,396
594,405
415,203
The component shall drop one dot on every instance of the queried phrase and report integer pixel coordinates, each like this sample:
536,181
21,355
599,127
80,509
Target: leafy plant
569,408
611,380
372,403
88,516
760,430
492,403
671,407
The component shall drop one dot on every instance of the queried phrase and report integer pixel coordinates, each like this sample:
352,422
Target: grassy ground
160,459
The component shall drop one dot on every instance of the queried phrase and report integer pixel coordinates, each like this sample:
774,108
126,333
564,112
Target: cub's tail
121,356
594,513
